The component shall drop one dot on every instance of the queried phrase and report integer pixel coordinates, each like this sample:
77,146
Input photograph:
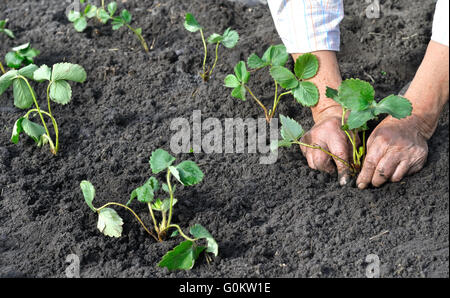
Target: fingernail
343,180
362,185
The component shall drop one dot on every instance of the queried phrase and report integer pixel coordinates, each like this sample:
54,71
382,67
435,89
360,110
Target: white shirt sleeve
440,23
308,25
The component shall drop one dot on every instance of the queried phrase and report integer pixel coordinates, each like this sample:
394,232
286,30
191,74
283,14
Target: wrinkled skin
328,135
396,148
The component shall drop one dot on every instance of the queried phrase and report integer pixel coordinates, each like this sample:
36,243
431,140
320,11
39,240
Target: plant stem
1,68
276,103
55,126
171,197
140,37
260,103
135,215
206,54
155,223
179,230
103,4
327,152
37,107
215,61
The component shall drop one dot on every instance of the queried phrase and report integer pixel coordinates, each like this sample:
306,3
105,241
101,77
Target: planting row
356,97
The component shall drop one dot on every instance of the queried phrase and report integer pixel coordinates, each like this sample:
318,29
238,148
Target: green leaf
191,23
14,60
276,55
241,72
109,222
355,94
165,188
126,16
239,92
306,94
188,173
183,256
396,106
91,12
146,192
21,47
29,54
291,130
279,55
6,80
254,62
43,73
60,92
69,72
23,98
163,205
117,23
357,119
112,8
306,66
199,232
332,93
174,233
275,144
17,129
103,15
33,130
231,81
89,193
28,71
284,77
9,33
73,15
230,38
139,31
80,24
160,160
3,23
215,38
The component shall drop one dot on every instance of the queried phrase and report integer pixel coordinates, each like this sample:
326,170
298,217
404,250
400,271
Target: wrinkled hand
327,134
395,148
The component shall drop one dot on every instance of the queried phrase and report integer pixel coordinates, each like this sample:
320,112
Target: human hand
395,148
327,134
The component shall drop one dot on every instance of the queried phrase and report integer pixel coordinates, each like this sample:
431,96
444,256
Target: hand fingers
341,150
401,171
369,167
385,169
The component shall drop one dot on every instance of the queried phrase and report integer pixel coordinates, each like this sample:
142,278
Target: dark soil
281,220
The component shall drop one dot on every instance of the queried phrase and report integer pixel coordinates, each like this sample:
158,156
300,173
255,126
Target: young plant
22,55
103,15
187,173
357,99
228,39
8,32
58,90
275,58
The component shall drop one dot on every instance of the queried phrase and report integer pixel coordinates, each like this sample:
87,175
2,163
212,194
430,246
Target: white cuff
308,25
440,23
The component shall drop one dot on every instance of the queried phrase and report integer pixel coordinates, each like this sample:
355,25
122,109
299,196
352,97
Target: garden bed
280,220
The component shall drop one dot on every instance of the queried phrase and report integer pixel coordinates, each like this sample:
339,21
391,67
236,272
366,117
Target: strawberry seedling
58,90
187,173
104,14
357,99
228,39
22,55
275,58
8,32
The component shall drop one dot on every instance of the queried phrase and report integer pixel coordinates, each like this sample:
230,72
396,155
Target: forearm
327,76
429,90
